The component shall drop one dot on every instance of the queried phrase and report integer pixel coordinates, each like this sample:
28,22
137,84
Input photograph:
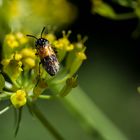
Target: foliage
106,9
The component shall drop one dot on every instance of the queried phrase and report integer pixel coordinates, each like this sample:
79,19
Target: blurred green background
110,75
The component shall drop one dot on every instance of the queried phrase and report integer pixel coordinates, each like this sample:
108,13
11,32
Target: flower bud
70,83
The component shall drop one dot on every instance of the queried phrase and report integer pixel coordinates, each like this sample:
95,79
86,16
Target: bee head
41,42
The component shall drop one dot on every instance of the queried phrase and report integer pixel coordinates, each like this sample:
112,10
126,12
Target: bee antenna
42,31
32,36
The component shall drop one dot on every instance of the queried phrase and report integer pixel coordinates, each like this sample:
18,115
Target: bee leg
36,53
39,74
37,82
39,69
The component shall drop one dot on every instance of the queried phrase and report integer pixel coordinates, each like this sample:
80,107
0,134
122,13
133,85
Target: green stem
15,83
62,80
92,115
45,122
19,116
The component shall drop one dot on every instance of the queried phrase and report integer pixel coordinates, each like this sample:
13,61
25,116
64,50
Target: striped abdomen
50,64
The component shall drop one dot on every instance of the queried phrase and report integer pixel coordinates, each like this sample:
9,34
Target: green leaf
126,3
2,82
104,9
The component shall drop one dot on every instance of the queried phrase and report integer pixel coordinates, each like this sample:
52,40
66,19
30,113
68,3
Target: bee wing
54,48
51,64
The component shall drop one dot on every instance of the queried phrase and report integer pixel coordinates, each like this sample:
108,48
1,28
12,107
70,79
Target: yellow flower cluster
64,43
21,65
28,57
17,54
11,41
15,40
13,65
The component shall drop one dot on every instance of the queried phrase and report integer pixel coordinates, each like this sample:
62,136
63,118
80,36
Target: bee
47,55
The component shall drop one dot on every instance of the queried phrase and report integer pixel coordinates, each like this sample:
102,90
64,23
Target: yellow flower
17,56
29,62
28,52
5,62
80,44
51,37
75,60
18,98
11,41
28,57
64,43
21,38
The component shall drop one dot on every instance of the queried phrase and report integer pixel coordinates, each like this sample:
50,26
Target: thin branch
19,116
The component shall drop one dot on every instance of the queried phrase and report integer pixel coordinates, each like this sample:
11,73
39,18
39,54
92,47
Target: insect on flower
47,55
